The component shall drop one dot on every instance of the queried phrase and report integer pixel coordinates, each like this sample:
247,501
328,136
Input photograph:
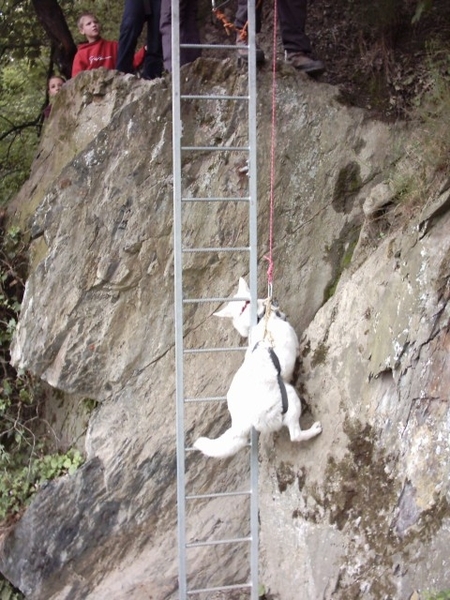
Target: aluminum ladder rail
180,301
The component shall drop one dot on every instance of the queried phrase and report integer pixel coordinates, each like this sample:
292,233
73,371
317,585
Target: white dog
272,326
259,396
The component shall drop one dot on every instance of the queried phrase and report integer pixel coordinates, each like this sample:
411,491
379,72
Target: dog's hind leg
292,419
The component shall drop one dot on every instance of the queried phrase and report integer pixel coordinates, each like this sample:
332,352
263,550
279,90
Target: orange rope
229,26
221,16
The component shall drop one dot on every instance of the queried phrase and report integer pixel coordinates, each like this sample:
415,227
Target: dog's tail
226,445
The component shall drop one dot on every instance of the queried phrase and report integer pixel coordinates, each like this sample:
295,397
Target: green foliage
8,592
24,472
430,154
26,461
432,111
26,37
25,63
423,6
13,267
24,52
379,17
22,100
444,595
429,157
383,17
90,405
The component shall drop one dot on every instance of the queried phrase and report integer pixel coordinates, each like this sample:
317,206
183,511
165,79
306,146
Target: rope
228,25
272,154
268,310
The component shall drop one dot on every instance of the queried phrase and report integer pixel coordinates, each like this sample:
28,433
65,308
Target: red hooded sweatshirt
101,53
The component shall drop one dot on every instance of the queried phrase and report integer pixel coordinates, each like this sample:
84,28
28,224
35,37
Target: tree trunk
52,19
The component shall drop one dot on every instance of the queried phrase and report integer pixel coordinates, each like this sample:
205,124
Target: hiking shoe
243,50
305,63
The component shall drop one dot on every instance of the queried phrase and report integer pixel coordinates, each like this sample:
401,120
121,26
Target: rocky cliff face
359,512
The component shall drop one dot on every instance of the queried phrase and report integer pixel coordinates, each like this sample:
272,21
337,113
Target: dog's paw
316,427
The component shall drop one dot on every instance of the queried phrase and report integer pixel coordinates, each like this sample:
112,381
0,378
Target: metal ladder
181,301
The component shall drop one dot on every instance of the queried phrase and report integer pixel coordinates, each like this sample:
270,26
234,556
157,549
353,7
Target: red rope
272,153
243,35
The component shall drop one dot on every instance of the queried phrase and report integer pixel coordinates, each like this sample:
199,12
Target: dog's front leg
297,435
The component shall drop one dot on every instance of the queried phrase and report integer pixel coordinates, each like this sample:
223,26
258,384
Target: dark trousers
135,14
292,18
188,32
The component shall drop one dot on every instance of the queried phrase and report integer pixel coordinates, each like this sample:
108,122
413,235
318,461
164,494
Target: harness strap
284,398
281,384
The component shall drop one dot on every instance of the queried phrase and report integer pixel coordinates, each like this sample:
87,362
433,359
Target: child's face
90,27
54,85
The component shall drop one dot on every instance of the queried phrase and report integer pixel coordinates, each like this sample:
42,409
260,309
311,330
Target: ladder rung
211,97
218,199
217,148
207,399
218,495
192,449
214,299
222,588
203,350
219,542
222,249
214,46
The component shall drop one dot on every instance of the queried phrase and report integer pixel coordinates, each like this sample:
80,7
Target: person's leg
292,17
130,29
189,31
240,22
241,16
165,27
297,46
153,62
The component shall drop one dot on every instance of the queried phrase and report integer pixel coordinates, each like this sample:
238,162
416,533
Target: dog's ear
243,289
225,312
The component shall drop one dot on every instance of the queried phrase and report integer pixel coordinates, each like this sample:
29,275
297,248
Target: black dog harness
276,363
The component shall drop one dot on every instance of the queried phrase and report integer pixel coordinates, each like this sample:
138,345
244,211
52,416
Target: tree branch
19,128
52,19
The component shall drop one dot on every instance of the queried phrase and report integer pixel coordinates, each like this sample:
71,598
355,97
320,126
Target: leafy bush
22,473
27,458
8,592
429,155
432,111
444,595
20,123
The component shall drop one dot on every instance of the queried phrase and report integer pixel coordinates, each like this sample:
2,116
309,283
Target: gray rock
361,511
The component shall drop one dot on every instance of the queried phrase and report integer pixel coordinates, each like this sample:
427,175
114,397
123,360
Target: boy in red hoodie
97,52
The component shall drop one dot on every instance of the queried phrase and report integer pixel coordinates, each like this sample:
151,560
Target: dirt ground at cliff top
373,52
380,66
